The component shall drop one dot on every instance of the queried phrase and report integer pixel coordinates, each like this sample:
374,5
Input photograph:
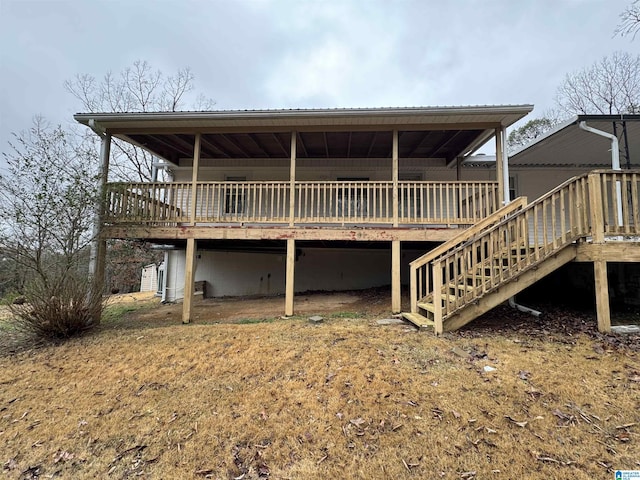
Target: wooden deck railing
421,269
422,203
595,205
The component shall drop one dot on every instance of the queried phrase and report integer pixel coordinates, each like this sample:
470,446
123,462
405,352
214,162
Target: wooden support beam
189,271
281,233
292,179
290,277
602,296
394,176
499,173
396,292
609,252
194,177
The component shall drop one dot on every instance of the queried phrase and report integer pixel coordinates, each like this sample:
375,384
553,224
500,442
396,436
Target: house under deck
280,179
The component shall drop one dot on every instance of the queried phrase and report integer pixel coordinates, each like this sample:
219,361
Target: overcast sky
305,53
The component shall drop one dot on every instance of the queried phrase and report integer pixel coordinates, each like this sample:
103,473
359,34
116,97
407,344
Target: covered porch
391,174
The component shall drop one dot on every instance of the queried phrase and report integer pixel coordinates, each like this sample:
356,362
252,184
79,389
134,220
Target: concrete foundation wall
246,273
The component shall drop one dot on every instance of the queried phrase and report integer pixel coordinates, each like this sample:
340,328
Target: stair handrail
522,211
592,205
517,204
463,237
438,264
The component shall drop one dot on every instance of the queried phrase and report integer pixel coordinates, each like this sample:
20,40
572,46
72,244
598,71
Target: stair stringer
517,283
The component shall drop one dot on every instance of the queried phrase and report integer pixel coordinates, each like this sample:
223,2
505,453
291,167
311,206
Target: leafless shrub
58,310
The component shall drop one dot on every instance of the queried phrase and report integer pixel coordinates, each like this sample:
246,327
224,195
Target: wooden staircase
517,246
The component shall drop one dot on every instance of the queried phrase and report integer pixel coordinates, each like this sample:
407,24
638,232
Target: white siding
149,280
326,269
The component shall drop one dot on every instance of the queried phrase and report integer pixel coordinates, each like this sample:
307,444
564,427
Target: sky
254,54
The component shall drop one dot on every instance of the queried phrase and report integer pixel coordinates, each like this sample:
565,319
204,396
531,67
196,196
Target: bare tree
609,86
47,198
629,20
138,88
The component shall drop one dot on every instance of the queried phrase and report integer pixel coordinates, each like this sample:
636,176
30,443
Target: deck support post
396,295
292,179
290,277
500,154
602,296
189,270
194,178
394,177
98,247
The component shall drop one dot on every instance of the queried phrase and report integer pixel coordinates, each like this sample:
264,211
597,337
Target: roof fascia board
299,118
330,113
301,128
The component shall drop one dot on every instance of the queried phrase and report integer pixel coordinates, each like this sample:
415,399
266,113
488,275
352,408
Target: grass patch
251,321
115,314
290,400
346,315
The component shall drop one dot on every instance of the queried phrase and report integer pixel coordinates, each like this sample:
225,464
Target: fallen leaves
516,422
357,421
524,375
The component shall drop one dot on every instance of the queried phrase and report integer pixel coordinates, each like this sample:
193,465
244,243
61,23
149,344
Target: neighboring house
284,201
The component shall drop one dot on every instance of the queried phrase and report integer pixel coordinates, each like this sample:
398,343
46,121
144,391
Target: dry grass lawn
145,396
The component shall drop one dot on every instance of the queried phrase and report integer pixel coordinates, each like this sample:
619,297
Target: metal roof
567,145
425,132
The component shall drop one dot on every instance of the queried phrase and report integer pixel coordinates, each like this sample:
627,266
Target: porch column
500,153
189,269
396,298
194,178
602,296
289,279
98,247
292,180
394,177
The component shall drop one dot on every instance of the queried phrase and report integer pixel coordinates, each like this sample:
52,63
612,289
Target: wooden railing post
413,288
595,208
437,300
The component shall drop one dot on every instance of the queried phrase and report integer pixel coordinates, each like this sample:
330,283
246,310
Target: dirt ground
366,303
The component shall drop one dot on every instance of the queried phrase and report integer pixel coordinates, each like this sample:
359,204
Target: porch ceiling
444,144
424,132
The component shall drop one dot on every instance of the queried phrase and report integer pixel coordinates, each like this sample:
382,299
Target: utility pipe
507,200
615,161
522,308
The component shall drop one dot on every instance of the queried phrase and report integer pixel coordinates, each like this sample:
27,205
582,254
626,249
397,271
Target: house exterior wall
534,182
327,169
249,273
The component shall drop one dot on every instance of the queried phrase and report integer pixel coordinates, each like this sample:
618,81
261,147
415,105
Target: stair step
468,288
427,306
417,319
